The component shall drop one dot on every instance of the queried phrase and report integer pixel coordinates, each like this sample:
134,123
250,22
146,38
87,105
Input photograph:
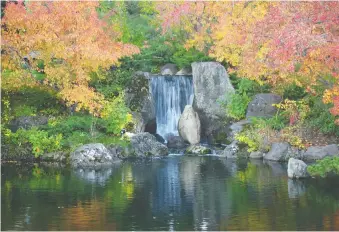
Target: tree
58,44
275,42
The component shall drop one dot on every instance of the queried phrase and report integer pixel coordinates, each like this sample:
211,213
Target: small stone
297,168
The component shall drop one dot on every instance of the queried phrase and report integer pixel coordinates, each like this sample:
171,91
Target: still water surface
174,193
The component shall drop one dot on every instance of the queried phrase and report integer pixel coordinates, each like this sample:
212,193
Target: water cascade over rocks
171,94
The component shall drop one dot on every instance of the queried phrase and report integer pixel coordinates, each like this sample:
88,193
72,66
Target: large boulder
145,144
139,99
296,168
282,152
189,125
261,105
320,152
211,86
169,69
94,154
277,152
27,122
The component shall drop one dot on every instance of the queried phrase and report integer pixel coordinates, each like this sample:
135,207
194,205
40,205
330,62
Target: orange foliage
276,42
71,41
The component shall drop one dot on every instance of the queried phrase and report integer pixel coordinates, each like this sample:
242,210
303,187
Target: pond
173,193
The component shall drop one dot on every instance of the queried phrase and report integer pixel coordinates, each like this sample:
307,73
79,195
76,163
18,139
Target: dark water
175,193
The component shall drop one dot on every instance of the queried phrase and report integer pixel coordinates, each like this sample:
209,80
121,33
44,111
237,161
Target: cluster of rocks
96,154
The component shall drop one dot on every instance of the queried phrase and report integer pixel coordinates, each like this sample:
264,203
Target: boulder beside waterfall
189,125
145,144
211,86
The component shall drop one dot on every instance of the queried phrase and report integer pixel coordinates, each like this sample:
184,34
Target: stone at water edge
176,142
282,152
189,125
297,169
58,156
256,155
231,150
91,155
197,150
145,144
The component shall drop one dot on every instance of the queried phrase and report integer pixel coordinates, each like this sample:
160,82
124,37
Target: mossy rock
197,150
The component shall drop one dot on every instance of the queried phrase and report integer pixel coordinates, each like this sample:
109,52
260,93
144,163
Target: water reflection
175,193
296,188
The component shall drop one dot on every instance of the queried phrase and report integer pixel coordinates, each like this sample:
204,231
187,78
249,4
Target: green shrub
236,106
67,125
116,116
247,86
252,140
277,122
183,58
294,92
37,139
25,110
111,83
76,139
319,117
325,167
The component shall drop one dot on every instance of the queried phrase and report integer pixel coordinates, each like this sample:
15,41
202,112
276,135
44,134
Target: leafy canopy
58,44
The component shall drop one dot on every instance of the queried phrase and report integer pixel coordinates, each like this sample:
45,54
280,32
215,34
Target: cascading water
171,95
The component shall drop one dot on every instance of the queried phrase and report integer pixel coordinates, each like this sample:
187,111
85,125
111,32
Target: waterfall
171,94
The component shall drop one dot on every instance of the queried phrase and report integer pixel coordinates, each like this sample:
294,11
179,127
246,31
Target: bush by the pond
325,167
39,141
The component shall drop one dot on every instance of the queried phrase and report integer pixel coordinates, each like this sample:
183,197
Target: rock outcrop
189,125
282,152
261,105
139,99
320,152
211,86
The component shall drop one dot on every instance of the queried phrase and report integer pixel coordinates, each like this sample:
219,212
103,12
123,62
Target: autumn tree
275,42
58,44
